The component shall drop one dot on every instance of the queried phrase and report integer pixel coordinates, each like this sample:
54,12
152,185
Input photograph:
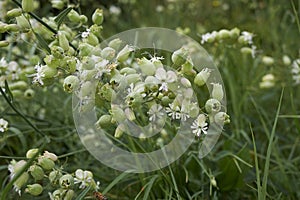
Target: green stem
21,114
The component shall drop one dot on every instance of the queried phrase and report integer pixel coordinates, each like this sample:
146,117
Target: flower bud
212,106
97,16
4,43
108,53
49,155
66,181
58,4
133,78
286,60
36,172
213,182
54,176
187,68
17,93
117,113
185,82
223,34
85,49
127,70
222,118
31,152
71,83
194,110
27,5
21,181
202,77
16,12
179,56
217,92
267,60
115,44
48,71
119,130
124,53
57,52
23,23
51,61
29,93
129,114
92,39
83,19
69,195
21,85
146,66
104,121
2,27
63,41
234,33
246,50
57,194
74,16
46,163
12,27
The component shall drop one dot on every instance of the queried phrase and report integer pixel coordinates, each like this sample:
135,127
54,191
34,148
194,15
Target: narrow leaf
60,18
8,92
83,193
42,42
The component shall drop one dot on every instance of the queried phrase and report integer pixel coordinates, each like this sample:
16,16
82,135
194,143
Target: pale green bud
29,93
187,68
212,106
179,56
71,65
268,77
83,19
119,130
97,16
12,27
267,60
19,85
115,44
133,78
92,39
51,61
194,110
54,176
88,63
22,180
124,53
46,163
185,82
17,93
58,4
16,12
129,114
28,5
36,172
108,53
31,152
117,113
127,70
286,60
63,41
48,71
49,155
234,33
146,66
74,16
4,43
246,50
69,195
71,83
224,34
96,30
104,121
58,194
85,49
66,181
213,182
57,52
217,91
202,77
222,118
160,142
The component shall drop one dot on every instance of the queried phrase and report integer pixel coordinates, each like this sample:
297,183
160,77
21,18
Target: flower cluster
44,170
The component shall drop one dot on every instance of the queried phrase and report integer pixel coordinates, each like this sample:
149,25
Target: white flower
85,178
248,37
3,125
155,112
86,33
296,71
199,125
175,112
208,37
39,75
164,78
3,63
155,59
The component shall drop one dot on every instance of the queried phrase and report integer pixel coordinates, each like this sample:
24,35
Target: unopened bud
146,66
222,118
36,172
124,53
179,56
202,77
29,93
267,60
16,12
46,163
108,53
104,121
115,44
212,106
66,181
31,152
4,43
119,130
28,5
217,92
49,155
71,83
74,16
97,16
286,60
63,41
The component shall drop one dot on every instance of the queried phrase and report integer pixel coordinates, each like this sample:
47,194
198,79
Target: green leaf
7,91
112,184
149,186
42,42
60,18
